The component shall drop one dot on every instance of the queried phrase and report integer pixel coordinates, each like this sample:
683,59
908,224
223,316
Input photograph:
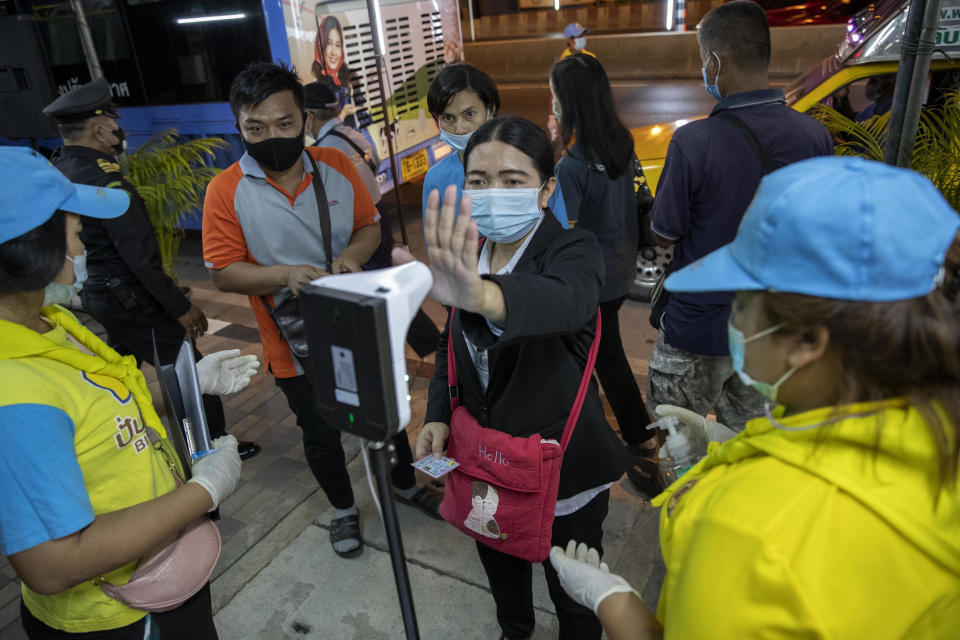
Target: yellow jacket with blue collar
836,531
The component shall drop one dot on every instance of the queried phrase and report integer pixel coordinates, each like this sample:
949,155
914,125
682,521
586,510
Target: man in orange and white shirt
262,237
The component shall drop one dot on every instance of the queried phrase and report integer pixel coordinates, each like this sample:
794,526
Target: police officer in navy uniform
126,290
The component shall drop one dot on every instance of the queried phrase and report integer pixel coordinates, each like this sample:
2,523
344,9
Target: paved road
638,103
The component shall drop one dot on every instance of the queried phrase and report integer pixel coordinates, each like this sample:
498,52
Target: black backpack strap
363,154
323,208
766,162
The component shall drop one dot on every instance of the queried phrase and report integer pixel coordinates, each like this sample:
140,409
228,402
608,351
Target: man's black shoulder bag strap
767,164
287,315
323,208
363,154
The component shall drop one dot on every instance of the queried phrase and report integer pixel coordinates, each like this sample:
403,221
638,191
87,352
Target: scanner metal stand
382,458
356,326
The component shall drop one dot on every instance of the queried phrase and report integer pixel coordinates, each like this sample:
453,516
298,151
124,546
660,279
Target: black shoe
644,473
346,528
247,449
427,499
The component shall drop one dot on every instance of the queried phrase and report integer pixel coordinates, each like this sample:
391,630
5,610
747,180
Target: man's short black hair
259,81
739,30
31,261
453,79
72,130
325,114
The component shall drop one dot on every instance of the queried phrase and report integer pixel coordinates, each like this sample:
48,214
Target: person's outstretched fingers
447,216
470,247
430,219
468,253
457,237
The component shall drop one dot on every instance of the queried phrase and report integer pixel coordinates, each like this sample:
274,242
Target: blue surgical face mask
58,293
556,108
504,215
579,43
456,140
712,89
737,343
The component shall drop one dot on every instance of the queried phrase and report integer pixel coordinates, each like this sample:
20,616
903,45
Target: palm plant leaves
171,176
936,152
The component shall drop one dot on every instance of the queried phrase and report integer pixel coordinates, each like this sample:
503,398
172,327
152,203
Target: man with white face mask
460,99
712,170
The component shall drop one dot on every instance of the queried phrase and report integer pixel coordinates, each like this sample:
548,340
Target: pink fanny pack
169,578
173,575
504,493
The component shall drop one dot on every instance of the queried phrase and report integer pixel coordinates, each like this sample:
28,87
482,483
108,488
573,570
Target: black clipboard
174,415
172,391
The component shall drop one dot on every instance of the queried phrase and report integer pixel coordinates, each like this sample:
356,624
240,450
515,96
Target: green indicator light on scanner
350,417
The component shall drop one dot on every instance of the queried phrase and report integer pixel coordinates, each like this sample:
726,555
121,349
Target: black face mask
276,154
121,145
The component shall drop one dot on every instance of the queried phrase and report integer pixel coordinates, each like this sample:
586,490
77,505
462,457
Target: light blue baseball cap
834,227
32,190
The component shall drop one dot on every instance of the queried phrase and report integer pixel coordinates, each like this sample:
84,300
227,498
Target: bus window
67,62
196,61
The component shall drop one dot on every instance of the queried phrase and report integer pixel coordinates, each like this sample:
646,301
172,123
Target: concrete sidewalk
306,591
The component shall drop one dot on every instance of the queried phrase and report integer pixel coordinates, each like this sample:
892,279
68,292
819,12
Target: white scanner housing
356,325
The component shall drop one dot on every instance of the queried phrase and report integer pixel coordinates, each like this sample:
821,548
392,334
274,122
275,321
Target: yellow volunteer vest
825,533
107,399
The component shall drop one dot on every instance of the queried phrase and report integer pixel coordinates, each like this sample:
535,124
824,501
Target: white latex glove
226,372
584,577
713,431
219,471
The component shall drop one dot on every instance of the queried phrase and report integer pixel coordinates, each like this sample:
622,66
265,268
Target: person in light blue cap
837,515
87,492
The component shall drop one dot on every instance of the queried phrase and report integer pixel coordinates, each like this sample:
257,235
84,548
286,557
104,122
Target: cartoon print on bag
485,503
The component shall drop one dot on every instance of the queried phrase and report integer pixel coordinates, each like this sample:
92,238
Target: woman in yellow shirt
837,515
85,491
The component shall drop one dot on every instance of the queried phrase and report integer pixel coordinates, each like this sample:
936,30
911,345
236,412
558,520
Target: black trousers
511,579
324,452
617,379
130,331
423,335
193,620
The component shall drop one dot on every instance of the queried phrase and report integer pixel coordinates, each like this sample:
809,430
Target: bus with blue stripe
170,64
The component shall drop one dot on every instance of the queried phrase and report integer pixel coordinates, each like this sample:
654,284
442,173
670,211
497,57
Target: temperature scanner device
356,328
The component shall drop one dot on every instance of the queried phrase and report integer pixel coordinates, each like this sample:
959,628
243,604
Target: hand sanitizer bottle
680,448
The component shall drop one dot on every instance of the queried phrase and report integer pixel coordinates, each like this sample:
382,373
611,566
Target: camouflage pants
701,384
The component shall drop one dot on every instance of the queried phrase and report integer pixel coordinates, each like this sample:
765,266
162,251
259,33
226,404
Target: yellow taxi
857,77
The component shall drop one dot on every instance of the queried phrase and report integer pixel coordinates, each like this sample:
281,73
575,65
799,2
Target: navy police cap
86,101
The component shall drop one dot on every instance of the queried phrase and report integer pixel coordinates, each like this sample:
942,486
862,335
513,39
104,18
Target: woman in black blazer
524,322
